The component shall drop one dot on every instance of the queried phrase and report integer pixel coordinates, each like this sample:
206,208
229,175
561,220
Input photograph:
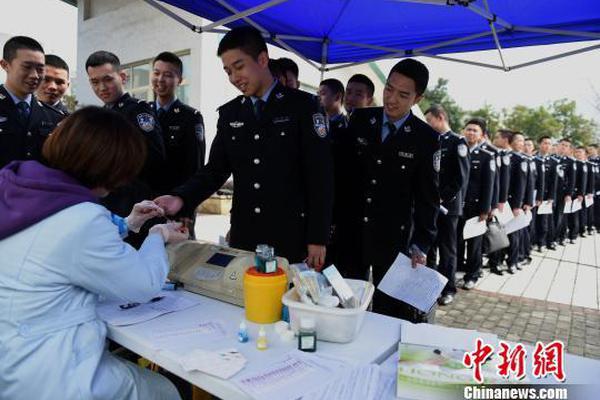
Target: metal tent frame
497,25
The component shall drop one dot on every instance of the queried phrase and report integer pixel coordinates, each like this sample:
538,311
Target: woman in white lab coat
60,251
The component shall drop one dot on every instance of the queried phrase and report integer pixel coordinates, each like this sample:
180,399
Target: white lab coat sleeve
105,265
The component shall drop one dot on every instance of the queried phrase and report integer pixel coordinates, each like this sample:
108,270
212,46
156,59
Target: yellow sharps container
262,295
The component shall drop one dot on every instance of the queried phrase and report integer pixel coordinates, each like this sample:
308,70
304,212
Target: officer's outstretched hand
172,232
170,204
316,256
142,212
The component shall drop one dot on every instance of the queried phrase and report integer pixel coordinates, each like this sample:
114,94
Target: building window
139,73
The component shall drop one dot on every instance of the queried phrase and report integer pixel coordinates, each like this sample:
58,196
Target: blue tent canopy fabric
348,31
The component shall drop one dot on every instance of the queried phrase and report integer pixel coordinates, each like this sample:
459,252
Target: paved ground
556,297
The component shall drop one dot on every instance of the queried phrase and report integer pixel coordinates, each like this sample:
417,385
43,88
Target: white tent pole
276,39
591,35
489,16
226,5
455,41
171,14
496,40
240,15
556,57
468,62
296,52
324,51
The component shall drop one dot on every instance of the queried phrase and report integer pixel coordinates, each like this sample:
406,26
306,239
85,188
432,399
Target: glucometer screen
220,259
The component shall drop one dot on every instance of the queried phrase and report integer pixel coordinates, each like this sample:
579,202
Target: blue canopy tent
333,34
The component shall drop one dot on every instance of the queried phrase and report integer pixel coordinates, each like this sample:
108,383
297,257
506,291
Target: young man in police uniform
331,97
566,189
25,122
454,178
581,189
108,80
395,198
519,168
533,195
55,83
182,126
478,200
543,222
359,93
275,143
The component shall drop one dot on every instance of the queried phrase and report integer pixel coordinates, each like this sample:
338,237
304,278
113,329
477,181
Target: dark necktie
160,113
23,109
259,106
391,130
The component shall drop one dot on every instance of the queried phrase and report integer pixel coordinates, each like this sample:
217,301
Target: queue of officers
321,186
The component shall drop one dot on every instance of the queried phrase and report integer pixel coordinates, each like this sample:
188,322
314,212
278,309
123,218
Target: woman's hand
141,213
172,232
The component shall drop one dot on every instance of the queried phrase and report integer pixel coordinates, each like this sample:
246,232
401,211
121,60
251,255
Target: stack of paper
505,215
521,221
420,287
576,205
360,383
119,313
222,363
589,200
291,377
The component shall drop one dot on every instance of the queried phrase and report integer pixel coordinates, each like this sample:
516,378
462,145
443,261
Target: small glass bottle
243,332
307,336
261,341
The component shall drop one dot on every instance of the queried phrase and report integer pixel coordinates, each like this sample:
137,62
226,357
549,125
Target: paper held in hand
545,208
420,287
473,228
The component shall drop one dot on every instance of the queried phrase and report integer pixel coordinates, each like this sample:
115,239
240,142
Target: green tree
439,95
533,122
572,125
70,102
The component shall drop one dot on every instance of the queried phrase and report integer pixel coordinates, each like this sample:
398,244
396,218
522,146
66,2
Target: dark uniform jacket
454,172
24,142
482,178
519,167
591,177
60,106
341,163
497,174
596,160
149,181
569,175
551,177
505,156
581,178
540,177
282,170
532,181
395,198
182,130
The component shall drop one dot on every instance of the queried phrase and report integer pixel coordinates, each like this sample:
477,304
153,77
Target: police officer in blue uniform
478,200
502,143
107,80
395,199
543,222
182,126
581,188
454,178
331,97
25,122
55,84
567,172
275,143
519,167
